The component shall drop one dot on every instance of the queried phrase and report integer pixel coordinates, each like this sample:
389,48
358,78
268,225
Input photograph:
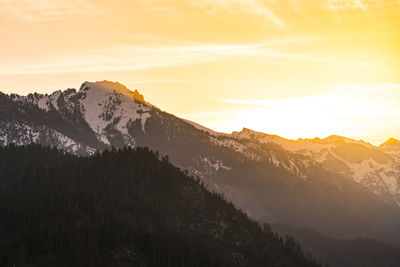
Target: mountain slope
358,252
63,210
338,186
377,168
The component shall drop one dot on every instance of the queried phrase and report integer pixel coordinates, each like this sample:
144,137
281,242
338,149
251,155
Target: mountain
377,168
338,186
63,210
391,146
80,122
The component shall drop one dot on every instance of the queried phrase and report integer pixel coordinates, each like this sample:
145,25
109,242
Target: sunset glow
296,68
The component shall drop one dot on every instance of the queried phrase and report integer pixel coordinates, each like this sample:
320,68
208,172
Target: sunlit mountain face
295,68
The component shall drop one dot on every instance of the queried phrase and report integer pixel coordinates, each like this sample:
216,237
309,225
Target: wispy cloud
209,114
39,10
271,10
255,7
126,58
365,87
295,40
121,58
345,4
320,100
326,105
159,81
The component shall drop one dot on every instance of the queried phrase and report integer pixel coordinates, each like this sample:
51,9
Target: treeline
123,208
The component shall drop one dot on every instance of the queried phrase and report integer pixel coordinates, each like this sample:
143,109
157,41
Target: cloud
172,53
255,7
210,114
345,4
271,10
326,105
365,87
284,102
295,40
39,10
119,58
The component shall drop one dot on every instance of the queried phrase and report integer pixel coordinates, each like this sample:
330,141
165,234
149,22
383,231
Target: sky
296,68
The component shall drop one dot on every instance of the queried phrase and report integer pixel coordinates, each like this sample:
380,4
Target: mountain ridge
120,88
270,178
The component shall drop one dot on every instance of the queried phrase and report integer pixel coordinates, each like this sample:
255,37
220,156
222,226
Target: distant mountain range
340,187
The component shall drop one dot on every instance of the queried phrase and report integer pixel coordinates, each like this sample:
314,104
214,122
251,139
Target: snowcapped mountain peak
391,142
97,115
115,87
335,140
248,133
245,132
110,105
332,139
391,146
42,101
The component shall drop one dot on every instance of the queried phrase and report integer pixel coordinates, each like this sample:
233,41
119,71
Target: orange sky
296,68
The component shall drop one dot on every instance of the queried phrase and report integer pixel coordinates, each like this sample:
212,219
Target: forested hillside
123,208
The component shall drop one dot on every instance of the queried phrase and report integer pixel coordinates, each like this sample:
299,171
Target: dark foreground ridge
123,208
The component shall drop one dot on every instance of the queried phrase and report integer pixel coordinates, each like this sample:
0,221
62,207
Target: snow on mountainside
108,104
23,134
377,168
391,146
108,109
43,102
